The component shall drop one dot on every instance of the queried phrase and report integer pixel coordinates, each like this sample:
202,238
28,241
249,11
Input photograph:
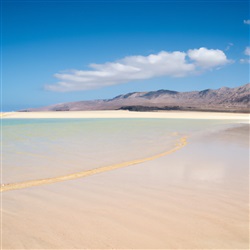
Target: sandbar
127,114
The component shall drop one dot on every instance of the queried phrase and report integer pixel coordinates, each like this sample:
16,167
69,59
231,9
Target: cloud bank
247,22
132,68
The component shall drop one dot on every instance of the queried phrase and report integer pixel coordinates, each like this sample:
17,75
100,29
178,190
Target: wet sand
195,198
20,185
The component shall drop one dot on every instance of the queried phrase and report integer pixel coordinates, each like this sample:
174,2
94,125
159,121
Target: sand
127,114
194,198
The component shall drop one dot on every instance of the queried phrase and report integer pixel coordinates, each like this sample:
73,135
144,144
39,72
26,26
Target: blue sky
62,51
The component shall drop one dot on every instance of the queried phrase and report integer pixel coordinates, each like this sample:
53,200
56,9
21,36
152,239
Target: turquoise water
43,148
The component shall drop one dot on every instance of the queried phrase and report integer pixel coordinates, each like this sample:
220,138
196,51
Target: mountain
223,99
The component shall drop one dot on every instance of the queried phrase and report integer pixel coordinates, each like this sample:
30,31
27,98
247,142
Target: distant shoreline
126,114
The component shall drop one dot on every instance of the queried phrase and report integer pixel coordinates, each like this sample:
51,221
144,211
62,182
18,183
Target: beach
126,114
148,180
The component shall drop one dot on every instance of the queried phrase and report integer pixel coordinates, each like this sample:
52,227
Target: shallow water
43,148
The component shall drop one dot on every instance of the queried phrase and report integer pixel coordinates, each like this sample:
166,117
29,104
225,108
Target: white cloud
131,68
247,22
244,60
247,51
229,46
208,58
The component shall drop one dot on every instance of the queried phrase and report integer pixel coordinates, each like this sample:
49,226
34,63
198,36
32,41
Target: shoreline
182,142
125,114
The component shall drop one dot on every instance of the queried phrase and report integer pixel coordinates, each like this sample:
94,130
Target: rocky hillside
223,99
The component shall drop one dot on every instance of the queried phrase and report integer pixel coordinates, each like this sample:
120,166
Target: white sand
126,114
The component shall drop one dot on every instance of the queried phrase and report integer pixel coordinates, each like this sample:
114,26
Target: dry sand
126,114
194,198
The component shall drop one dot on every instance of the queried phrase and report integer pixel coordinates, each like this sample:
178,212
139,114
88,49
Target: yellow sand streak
3,114
20,185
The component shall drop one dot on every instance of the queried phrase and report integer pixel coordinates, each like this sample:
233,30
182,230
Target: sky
63,51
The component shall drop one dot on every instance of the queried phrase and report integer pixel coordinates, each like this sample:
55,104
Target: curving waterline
20,185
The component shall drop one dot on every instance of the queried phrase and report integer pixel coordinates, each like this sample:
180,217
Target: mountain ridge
222,99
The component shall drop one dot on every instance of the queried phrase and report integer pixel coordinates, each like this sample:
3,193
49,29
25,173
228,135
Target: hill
222,99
